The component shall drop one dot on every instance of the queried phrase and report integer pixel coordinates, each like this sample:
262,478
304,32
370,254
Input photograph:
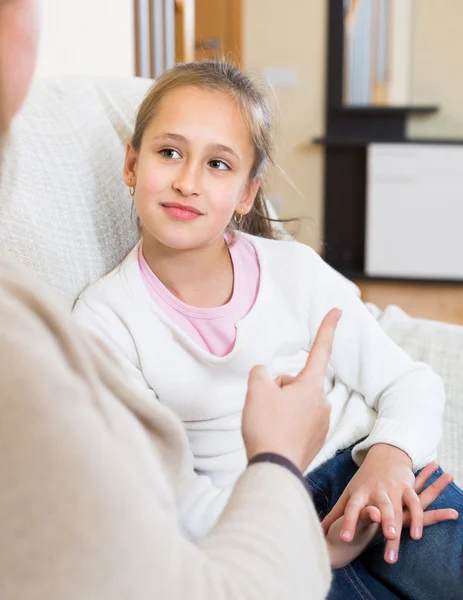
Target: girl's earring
238,217
132,191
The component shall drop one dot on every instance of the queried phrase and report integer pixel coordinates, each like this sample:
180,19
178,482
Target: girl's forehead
198,113
187,102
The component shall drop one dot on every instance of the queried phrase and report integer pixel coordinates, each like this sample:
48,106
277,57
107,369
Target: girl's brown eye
219,165
170,153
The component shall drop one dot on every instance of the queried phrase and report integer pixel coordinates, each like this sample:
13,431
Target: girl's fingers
426,498
388,516
391,551
431,517
415,512
351,516
424,475
436,488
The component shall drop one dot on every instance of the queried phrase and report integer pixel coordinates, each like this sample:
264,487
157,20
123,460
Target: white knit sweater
375,389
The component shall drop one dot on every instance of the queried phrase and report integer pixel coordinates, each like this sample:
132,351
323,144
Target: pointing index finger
320,353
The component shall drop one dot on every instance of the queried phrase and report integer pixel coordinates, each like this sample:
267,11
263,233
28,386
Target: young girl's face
192,171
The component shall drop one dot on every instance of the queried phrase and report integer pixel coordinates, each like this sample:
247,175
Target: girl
207,294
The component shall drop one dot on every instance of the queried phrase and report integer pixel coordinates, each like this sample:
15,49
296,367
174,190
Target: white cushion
440,345
64,210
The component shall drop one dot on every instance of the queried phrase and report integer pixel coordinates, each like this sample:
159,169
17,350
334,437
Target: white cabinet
414,218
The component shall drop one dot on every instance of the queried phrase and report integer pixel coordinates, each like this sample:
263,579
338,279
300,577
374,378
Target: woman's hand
369,522
290,415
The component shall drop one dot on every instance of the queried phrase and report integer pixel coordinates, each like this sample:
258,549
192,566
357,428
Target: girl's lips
181,213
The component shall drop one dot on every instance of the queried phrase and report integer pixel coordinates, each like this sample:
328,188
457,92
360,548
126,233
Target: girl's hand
369,523
385,480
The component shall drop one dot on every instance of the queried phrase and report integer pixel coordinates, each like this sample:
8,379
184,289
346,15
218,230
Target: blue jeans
427,569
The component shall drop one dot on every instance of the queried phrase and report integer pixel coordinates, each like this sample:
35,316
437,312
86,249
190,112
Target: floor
442,302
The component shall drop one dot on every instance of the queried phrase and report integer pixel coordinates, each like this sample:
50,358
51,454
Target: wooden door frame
236,38
185,47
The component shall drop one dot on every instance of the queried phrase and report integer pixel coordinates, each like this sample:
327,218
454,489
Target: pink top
213,329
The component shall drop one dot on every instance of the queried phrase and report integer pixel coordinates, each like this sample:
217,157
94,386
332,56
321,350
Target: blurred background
371,126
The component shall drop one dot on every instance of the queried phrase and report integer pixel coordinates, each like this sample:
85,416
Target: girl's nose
188,181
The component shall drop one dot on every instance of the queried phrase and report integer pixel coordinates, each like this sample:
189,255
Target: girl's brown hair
256,110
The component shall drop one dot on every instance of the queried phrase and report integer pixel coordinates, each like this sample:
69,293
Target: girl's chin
176,240
181,236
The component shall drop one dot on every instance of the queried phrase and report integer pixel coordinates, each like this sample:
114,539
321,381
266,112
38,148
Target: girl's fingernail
417,533
338,314
391,530
345,535
391,556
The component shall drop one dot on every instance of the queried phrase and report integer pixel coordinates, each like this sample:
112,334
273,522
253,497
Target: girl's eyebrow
181,138
172,136
222,148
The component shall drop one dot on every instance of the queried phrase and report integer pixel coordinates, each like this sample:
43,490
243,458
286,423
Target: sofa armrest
440,345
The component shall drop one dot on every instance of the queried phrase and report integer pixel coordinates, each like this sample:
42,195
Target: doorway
217,27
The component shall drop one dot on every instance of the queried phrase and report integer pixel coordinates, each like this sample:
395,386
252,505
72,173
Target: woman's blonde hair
256,109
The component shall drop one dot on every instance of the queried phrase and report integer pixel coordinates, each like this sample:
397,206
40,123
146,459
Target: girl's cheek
225,211
150,179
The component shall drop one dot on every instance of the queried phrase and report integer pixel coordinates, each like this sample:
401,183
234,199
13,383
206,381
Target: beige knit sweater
89,473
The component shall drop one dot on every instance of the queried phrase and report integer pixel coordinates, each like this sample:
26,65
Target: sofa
66,214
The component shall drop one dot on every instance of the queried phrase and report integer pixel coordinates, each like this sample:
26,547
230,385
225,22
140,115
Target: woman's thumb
258,374
336,512
369,515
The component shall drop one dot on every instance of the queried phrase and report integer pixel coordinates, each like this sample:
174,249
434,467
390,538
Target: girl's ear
130,166
249,196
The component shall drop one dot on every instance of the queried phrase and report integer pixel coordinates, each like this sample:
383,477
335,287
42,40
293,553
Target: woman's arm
87,508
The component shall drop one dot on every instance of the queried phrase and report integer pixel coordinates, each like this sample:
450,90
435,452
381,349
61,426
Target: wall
293,33
437,69
92,37
400,51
